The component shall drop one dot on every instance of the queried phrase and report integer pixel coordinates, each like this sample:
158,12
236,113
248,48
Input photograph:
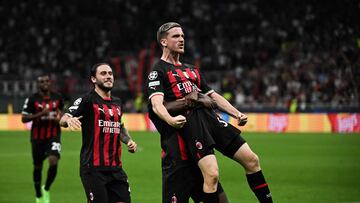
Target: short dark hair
94,68
161,33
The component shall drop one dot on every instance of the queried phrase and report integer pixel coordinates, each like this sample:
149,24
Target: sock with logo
259,186
211,197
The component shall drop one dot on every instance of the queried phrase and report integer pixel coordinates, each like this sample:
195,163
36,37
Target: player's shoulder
115,99
56,95
83,98
188,65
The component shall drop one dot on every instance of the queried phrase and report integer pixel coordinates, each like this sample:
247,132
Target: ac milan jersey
44,127
173,82
101,125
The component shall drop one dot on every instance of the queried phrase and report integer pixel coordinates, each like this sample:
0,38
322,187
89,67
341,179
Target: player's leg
53,152
53,149
118,192
177,183
38,156
200,144
94,187
256,180
230,143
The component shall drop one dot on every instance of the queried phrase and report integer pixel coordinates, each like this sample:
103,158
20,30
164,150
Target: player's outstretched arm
73,123
225,106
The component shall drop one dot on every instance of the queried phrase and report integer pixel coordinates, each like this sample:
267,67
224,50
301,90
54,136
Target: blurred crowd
271,55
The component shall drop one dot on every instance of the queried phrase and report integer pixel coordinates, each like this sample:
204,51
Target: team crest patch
199,145
91,196
153,75
173,199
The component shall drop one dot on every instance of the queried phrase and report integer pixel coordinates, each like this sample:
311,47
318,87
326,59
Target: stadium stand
266,56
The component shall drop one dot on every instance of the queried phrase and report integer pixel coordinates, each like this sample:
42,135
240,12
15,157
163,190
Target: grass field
299,168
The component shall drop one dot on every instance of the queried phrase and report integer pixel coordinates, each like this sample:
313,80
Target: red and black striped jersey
44,127
101,125
173,82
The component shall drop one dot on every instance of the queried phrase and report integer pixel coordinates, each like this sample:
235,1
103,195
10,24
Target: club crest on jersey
111,112
118,111
153,75
198,145
91,196
173,199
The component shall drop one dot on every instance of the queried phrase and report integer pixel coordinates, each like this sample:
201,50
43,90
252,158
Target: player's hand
178,121
132,146
191,99
241,119
45,112
74,123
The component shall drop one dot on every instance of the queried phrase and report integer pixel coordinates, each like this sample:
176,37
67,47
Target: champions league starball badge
153,75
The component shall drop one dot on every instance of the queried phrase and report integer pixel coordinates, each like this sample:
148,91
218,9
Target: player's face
43,83
175,41
104,78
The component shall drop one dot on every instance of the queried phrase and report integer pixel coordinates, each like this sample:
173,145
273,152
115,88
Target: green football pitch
299,168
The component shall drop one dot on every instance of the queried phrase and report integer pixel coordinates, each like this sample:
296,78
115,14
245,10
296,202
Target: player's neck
171,57
103,94
44,93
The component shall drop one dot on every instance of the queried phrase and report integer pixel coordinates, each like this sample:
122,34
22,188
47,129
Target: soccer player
98,114
200,127
44,110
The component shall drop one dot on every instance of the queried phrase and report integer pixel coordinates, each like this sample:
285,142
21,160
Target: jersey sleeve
155,83
78,108
28,107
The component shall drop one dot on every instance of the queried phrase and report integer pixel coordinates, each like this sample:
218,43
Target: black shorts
105,186
43,148
197,135
182,183
227,137
204,126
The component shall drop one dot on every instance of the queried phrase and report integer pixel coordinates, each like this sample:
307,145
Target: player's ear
93,79
163,42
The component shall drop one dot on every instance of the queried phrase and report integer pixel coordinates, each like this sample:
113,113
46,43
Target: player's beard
103,87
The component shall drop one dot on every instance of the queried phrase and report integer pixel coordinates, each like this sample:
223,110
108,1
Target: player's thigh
178,184
244,155
228,140
53,147
118,191
38,152
94,187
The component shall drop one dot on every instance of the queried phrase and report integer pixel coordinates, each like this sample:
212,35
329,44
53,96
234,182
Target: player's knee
211,176
253,163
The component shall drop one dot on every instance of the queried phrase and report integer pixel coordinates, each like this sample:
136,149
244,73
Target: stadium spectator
44,110
98,114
